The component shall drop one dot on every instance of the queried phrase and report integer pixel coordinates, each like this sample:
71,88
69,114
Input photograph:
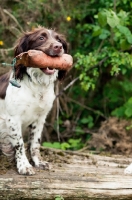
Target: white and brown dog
28,106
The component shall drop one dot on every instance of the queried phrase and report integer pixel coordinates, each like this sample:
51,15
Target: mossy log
74,177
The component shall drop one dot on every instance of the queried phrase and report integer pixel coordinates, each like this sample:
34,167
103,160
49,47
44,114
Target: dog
28,106
128,170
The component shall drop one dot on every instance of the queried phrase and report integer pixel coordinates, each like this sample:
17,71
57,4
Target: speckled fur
24,107
27,106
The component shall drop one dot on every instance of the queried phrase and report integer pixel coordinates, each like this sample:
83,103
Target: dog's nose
57,47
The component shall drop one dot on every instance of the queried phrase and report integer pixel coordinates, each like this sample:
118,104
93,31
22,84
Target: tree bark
80,176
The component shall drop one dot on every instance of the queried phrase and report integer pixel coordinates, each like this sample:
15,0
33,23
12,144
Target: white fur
22,107
128,170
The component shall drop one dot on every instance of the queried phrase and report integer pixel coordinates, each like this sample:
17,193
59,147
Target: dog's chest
40,104
28,104
41,101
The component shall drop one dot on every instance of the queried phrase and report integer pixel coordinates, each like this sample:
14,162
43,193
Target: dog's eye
58,40
41,38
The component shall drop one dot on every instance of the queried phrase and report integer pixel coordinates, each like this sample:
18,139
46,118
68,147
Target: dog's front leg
15,137
34,143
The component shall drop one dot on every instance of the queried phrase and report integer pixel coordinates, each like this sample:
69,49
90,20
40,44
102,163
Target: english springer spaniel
28,106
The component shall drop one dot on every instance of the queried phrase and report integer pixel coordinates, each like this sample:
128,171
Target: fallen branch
65,151
86,107
14,19
69,85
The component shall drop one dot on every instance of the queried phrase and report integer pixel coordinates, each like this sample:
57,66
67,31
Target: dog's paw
38,161
128,170
24,167
26,170
42,165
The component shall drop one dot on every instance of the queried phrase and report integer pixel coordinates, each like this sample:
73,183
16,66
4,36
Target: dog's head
48,41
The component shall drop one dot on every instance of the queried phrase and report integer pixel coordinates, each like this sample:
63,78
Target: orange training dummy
38,59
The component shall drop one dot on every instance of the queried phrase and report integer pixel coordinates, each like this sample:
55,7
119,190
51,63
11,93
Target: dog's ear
21,45
61,75
65,46
64,43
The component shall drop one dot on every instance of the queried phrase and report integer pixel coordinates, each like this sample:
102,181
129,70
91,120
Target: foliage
59,197
100,41
71,144
110,26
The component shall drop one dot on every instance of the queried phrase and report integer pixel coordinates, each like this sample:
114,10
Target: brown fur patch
4,81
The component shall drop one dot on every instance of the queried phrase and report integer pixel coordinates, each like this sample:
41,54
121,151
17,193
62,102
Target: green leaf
55,145
130,101
59,197
102,19
128,106
124,45
125,31
128,112
47,144
118,112
88,121
112,18
65,146
84,120
79,130
129,38
74,142
97,31
105,33
90,125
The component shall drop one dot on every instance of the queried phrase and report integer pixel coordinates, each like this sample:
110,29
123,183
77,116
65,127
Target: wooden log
72,177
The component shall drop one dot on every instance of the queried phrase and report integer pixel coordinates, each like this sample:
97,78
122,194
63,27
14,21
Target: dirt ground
114,136
49,155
